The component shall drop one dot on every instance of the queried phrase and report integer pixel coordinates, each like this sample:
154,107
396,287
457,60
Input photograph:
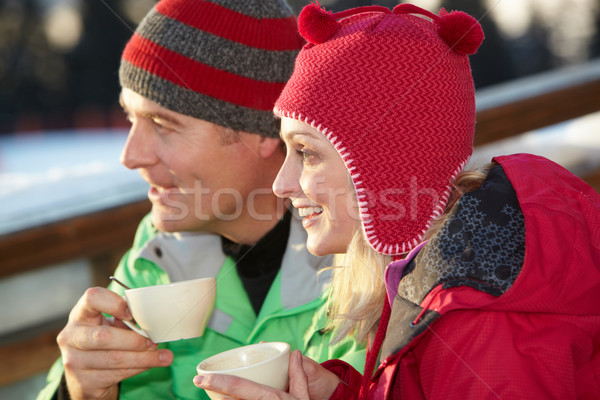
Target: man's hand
98,352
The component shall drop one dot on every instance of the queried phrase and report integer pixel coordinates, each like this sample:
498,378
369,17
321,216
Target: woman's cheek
352,207
309,183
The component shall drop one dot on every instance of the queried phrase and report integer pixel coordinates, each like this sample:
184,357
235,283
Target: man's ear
268,146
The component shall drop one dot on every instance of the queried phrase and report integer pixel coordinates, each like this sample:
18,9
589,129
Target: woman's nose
287,181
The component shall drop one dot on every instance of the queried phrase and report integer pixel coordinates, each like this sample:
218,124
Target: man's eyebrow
152,114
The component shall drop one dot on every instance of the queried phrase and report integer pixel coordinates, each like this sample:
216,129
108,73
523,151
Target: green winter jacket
294,310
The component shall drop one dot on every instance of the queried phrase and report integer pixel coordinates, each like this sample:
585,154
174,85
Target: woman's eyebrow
293,133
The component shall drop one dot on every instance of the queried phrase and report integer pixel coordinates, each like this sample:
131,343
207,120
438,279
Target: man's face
200,179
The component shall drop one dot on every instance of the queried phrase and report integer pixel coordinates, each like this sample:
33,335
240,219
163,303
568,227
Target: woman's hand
321,381
308,381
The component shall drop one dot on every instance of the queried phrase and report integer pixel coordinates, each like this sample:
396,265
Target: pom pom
460,31
315,24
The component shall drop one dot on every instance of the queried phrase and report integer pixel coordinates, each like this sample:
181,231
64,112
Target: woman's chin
323,248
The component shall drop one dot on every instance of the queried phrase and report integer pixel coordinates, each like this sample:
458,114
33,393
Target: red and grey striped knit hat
393,92
223,61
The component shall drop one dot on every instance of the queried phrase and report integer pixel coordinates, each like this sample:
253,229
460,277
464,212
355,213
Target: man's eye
162,127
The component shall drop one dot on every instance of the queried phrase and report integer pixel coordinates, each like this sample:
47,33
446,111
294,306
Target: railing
503,111
102,237
541,100
515,107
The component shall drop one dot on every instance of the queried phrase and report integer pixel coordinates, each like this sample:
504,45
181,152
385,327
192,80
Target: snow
49,176
573,144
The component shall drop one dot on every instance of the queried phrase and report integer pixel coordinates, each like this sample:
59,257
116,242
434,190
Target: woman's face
316,180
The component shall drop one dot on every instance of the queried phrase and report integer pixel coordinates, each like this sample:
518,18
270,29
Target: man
199,80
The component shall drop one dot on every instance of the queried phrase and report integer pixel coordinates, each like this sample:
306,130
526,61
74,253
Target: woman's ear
268,146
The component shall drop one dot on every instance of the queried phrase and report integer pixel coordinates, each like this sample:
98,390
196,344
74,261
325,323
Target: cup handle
132,325
136,329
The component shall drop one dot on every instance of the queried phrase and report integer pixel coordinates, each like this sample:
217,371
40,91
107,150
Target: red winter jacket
503,303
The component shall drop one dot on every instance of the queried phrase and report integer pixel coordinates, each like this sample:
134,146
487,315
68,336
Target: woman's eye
304,155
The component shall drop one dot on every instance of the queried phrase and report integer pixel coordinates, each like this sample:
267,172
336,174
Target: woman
480,284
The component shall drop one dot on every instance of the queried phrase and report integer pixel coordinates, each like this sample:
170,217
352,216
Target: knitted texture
393,92
222,61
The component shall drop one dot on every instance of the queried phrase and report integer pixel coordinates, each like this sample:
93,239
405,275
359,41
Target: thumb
298,378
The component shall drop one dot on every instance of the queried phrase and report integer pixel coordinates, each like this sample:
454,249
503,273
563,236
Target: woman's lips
310,215
307,211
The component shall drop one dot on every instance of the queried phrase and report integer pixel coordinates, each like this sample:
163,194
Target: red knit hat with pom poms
393,92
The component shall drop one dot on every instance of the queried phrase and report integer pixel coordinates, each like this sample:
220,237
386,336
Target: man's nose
139,148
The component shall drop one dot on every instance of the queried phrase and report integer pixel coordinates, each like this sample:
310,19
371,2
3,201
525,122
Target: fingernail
164,357
150,343
198,380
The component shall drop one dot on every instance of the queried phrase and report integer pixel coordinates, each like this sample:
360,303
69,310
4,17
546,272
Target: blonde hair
358,288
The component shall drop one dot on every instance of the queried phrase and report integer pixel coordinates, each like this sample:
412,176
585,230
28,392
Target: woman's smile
310,215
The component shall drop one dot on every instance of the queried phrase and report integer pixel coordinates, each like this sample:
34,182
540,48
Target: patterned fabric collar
481,245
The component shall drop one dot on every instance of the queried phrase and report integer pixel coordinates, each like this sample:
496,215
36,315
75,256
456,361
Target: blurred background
68,209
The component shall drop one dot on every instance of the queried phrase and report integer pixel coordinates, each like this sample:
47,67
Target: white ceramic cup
173,311
264,363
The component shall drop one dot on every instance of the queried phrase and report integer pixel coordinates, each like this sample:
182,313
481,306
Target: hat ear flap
316,25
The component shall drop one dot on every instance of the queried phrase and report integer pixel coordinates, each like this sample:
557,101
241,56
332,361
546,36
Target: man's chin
175,222
168,222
